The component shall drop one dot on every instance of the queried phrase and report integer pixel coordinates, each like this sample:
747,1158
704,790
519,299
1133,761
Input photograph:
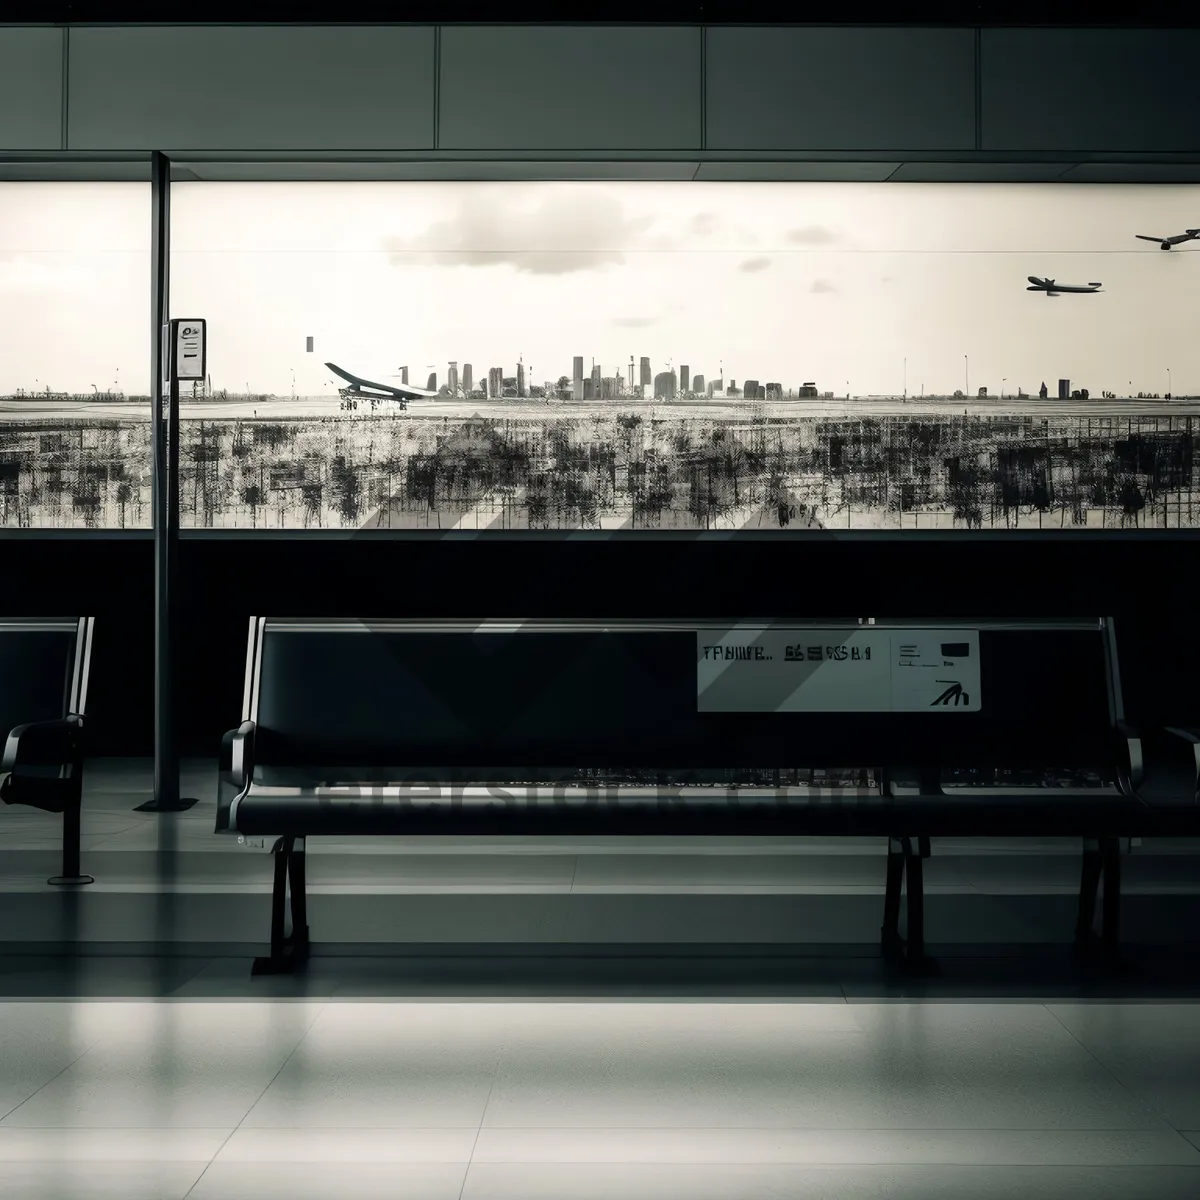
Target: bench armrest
1192,737
54,744
1133,754
236,769
43,744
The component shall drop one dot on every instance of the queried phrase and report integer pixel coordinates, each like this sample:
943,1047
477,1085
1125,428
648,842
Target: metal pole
165,493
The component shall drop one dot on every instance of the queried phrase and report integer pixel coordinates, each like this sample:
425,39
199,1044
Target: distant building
646,377
468,379
610,388
664,385
685,377
750,389
1064,389
596,386
577,378
698,385
495,384
808,390
521,379
452,378
774,391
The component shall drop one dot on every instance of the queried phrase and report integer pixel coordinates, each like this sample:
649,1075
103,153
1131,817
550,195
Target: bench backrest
44,666
354,700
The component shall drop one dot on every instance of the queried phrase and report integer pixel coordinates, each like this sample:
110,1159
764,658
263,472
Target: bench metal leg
1101,865
287,950
296,878
1089,889
905,873
892,942
71,875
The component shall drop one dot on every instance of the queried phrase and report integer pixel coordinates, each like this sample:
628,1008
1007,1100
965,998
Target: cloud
754,264
811,235
699,225
822,285
566,232
634,322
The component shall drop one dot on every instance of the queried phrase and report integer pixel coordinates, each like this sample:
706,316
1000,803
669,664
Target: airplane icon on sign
954,694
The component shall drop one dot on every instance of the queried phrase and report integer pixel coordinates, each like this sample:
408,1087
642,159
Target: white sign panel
189,349
838,670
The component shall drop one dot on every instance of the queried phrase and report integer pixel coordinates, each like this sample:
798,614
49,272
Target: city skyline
871,289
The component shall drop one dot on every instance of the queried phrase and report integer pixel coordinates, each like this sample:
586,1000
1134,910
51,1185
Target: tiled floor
599,1099
747,1072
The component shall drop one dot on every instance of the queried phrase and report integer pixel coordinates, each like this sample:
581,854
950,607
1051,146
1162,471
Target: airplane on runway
1053,289
1167,243
384,391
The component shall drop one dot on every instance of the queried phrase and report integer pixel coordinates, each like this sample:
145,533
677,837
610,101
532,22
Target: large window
613,356
74,355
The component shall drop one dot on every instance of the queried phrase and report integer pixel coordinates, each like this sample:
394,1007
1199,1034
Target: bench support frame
71,875
905,878
1101,862
288,950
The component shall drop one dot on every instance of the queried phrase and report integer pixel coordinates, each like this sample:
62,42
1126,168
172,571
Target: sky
858,287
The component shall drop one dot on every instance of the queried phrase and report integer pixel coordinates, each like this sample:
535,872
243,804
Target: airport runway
309,408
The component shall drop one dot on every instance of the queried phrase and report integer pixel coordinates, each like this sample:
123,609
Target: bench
894,730
44,667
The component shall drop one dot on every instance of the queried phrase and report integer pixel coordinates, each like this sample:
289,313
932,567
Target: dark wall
1144,583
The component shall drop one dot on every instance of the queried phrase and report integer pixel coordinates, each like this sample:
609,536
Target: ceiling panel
436,170
68,172
975,172
1134,173
837,172
188,168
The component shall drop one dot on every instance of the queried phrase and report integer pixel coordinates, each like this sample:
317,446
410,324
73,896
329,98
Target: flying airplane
1188,235
384,391
1052,289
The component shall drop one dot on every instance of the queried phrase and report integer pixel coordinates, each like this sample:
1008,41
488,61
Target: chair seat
34,791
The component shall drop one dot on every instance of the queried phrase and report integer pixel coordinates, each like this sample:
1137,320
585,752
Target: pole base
166,806
70,880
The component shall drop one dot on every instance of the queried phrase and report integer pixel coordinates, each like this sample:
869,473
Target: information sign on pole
190,348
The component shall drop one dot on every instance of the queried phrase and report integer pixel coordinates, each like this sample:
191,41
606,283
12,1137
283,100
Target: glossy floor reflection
829,1095
666,1020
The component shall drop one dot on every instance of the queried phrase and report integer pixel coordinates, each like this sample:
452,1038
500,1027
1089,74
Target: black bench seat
273,811
408,728
44,670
